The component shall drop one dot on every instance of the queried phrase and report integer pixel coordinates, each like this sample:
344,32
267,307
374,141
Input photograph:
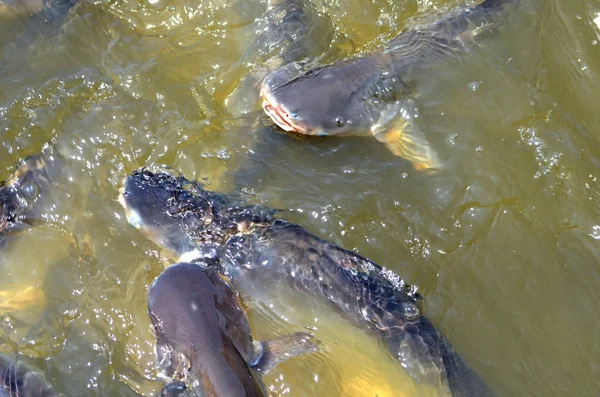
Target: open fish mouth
280,115
277,114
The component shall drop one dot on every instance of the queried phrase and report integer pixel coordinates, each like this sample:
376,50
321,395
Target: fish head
196,313
168,209
181,216
26,194
324,101
196,299
175,213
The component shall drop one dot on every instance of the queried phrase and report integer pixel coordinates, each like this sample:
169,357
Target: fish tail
428,357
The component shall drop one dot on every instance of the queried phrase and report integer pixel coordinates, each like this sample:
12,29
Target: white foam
190,256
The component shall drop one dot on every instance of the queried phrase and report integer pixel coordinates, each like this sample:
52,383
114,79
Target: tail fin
427,356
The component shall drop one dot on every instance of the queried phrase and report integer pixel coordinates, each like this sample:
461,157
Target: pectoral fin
169,363
405,138
276,351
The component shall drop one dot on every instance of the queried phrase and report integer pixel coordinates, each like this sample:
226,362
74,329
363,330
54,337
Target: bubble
223,154
452,139
474,86
595,233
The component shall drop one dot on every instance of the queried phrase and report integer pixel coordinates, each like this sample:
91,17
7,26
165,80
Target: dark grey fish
20,380
253,248
52,11
372,95
22,22
203,336
25,195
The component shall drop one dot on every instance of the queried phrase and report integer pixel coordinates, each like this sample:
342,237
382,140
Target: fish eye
339,121
411,311
30,190
293,115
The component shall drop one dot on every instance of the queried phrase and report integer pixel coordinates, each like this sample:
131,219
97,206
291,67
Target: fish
20,380
44,10
33,197
24,22
26,193
374,94
203,335
24,196
253,247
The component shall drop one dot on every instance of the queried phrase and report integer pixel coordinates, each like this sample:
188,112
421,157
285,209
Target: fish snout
286,120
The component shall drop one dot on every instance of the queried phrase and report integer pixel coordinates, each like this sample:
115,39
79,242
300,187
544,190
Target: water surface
503,242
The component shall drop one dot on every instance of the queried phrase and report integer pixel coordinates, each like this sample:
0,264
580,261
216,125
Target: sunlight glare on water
502,242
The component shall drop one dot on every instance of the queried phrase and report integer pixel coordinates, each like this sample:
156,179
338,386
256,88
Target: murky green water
503,243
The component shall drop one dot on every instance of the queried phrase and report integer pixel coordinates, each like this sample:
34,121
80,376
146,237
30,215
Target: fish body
195,314
372,95
203,335
253,248
27,192
20,380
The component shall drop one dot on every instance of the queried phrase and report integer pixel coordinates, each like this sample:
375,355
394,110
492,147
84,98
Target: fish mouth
279,114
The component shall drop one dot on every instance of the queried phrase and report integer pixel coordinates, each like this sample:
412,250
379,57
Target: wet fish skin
253,248
56,10
180,215
359,288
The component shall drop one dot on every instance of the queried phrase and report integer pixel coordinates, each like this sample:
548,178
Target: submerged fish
52,10
20,380
23,198
371,95
202,329
36,196
255,249
26,193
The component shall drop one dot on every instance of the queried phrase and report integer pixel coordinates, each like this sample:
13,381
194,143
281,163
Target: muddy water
503,242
